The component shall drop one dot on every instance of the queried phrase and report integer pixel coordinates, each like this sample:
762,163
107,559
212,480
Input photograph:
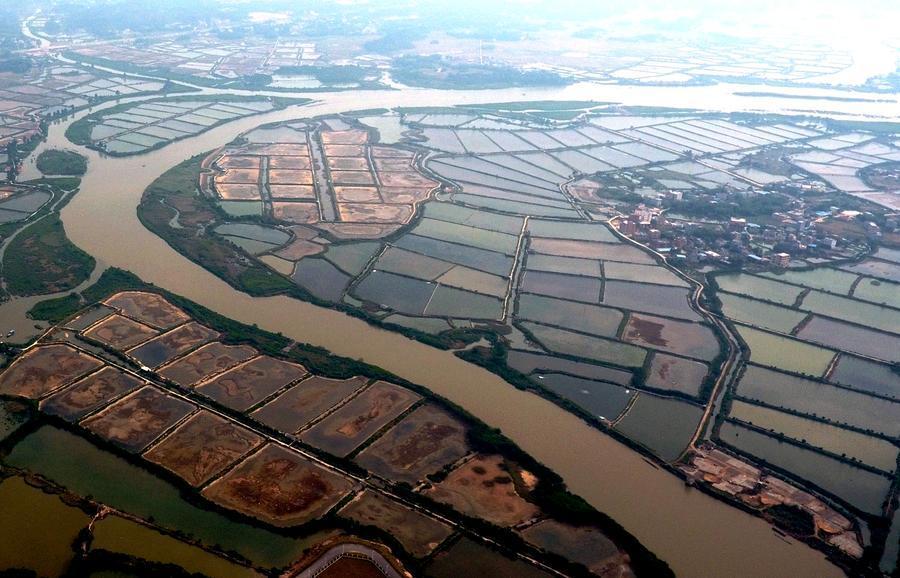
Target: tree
12,150
12,159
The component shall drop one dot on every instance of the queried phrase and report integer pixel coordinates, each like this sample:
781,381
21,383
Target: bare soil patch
120,332
483,487
244,386
421,444
167,346
279,487
205,362
148,308
299,405
418,533
135,421
348,427
90,393
202,447
45,369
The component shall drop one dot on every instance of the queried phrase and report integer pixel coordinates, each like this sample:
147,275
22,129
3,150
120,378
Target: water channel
696,534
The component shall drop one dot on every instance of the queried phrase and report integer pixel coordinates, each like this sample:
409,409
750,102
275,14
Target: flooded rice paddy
781,352
672,373
597,398
853,311
831,280
816,398
860,488
663,425
836,429
852,338
760,288
588,457
866,375
592,319
764,315
134,129
587,347
878,291
872,451
321,278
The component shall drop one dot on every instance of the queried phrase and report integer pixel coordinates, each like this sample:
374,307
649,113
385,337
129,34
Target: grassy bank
176,189
41,260
60,183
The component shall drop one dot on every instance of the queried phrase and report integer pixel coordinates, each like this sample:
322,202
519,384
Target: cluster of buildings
787,237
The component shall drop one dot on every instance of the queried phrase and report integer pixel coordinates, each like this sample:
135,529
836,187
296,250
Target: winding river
696,534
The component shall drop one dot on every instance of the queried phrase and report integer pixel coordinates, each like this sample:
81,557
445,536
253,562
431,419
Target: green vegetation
260,281
559,114
105,20
79,132
366,112
42,260
57,309
877,127
176,189
769,160
437,72
766,94
658,111
396,36
12,159
62,183
14,64
792,519
541,105
427,110
60,162
111,281
736,205
336,74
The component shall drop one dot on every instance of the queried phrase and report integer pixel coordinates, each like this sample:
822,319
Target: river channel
696,534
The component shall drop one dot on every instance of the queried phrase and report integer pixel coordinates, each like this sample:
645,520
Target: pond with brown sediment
697,535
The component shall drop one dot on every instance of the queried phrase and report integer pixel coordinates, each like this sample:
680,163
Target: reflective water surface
695,534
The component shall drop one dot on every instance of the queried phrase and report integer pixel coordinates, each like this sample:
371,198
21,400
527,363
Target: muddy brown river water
696,534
